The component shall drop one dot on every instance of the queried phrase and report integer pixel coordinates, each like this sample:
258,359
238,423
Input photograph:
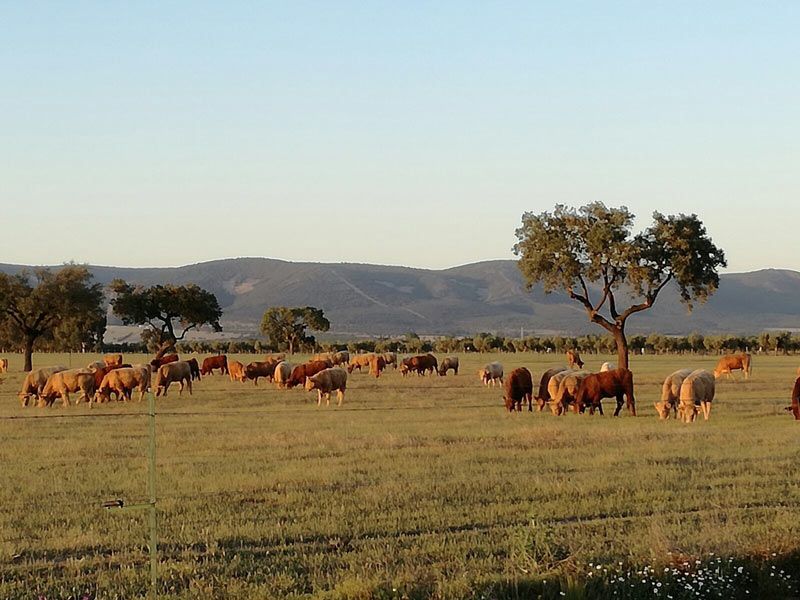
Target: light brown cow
377,365
697,390
34,383
733,362
671,394
283,371
173,372
325,382
3,365
236,371
123,382
61,384
574,360
275,357
322,356
359,361
543,395
98,364
491,374
112,360
390,358
567,391
340,358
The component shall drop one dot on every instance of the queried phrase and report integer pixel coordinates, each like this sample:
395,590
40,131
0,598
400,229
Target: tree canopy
166,309
593,255
287,327
45,305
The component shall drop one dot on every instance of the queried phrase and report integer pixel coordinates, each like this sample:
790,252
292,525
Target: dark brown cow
99,373
796,399
574,359
420,364
543,395
265,368
215,362
518,389
309,369
377,365
195,368
156,363
610,384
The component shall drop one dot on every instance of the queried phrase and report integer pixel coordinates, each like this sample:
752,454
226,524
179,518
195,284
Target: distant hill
362,299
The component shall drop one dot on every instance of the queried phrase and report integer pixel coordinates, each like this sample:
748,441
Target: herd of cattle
685,393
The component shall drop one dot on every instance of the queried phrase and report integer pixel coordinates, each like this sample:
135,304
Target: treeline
654,343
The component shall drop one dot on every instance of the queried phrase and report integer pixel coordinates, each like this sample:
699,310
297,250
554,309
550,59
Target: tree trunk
28,350
622,347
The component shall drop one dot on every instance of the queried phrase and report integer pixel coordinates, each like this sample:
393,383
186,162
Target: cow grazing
697,390
94,366
377,365
174,372
325,382
340,358
276,357
215,362
611,384
283,371
671,394
157,363
257,369
236,371
491,374
420,364
322,356
574,360
551,393
733,362
390,358
123,381
305,370
567,392
61,384
449,362
518,389
359,361
543,396
112,360
34,383
3,365
795,408
100,372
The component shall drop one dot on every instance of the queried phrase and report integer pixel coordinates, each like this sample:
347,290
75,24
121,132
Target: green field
414,488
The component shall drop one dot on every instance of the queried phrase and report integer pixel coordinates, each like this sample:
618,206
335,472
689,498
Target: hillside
363,299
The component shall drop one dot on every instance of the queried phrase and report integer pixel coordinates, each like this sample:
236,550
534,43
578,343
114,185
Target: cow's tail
748,366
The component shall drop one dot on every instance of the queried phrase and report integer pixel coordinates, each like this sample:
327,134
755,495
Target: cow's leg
630,401
600,407
319,397
530,402
340,397
706,410
189,385
65,398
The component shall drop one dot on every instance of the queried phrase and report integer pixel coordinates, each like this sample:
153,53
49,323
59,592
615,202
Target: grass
415,488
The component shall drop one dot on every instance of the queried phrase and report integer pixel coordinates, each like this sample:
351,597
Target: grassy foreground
415,488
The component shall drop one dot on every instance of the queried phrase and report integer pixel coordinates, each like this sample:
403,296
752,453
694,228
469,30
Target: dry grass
414,488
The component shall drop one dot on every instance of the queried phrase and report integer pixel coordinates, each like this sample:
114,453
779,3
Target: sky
413,133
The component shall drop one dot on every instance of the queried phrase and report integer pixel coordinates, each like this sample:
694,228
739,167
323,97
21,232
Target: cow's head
310,384
662,409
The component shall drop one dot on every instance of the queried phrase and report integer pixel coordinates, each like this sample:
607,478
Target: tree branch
650,300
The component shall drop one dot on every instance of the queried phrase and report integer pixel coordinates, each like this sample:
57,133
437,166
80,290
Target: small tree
43,304
574,249
287,327
165,309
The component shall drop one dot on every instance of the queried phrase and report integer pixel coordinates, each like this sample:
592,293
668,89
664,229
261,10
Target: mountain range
371,300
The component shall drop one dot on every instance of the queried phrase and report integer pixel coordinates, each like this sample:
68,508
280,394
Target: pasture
414,488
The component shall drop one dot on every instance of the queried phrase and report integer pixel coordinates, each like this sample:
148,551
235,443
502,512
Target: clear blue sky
414,133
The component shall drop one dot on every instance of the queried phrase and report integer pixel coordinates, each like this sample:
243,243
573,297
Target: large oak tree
170,311
593,255
51,305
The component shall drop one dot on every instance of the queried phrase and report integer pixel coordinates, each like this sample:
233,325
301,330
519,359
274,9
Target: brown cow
157,363
796,399
100,372
376,365
326,381
543,396
3,365
309,369
179,372
112,360
340,358
568,386
34,383
256,369
195,368
215,362
420,364
61,384
611,384
276,356
359,361
518,389
449,362
733,362
283,371
574,360
390,358
491,373
122,381
236,371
